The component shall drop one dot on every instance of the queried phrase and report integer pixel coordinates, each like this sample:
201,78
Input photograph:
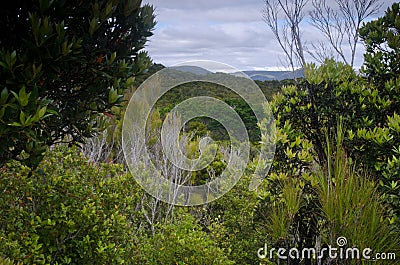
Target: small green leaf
130,81
51,111
112,58
112,96
13,58
22,118
23,97
42,111
15,95
4,96
29,120
15,124
93,26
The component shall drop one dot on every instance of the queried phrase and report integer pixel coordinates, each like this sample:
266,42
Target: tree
367,105
288,33
62,63
341,26
382,68
382,40
305,113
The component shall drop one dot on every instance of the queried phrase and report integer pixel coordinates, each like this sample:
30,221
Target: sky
228,31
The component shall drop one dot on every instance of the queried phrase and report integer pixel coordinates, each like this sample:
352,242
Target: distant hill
274,75
255,75
192,69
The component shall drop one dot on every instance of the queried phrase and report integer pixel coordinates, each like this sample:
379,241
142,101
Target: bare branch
340,25
321,52
283,17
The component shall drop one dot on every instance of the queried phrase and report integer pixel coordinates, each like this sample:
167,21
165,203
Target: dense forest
68,70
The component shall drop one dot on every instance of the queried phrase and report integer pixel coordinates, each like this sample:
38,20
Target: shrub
347,204
67,211
305,113
8,262
352,206
182,242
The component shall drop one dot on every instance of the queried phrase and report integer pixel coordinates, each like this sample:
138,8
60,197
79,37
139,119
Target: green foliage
8,262
312,108
61,64
351,205
69,211
194,89
214,169
269,88
284,211
198,127
71,61
232,222
181,242
382,40
334,199
307,112
289,208
382,67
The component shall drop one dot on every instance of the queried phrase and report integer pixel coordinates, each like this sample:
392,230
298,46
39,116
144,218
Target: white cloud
231,32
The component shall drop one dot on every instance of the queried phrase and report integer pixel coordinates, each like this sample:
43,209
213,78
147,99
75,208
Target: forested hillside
69,196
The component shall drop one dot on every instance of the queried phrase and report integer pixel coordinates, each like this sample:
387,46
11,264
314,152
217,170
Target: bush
233,223
305,113
181,242
346,204
8,262
67,211
351,205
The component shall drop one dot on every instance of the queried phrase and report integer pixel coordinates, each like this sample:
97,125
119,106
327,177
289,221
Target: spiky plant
352,207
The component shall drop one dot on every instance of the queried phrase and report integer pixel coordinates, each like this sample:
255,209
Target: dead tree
287,32
340,26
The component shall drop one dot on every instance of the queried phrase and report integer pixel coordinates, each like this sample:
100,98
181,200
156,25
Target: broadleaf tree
62,65
339,124
367,105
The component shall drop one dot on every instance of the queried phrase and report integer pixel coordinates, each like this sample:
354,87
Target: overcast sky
228,31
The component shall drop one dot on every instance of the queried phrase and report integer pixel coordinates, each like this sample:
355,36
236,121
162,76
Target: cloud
231,32
204,5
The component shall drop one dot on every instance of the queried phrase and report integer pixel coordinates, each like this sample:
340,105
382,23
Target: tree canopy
62,63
